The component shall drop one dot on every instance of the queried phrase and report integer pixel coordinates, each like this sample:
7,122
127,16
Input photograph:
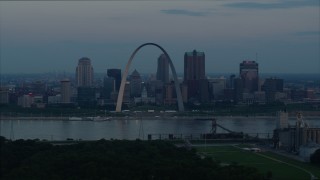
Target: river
133,129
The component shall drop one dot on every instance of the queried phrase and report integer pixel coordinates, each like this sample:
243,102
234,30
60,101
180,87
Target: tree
315,157
113,159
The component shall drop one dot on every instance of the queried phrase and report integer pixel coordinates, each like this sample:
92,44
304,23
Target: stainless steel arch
125,74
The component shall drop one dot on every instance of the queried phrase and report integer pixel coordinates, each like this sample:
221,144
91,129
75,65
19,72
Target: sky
283,36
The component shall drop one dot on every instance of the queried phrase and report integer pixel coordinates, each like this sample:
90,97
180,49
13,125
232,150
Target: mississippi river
136,128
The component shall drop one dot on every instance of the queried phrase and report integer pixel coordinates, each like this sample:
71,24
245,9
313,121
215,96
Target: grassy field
263,161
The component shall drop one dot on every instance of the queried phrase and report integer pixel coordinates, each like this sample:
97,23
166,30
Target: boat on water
98,118
101,118
75,118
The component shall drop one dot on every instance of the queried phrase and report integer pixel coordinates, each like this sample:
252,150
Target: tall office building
65,91
194,71
194,65
231,81
170,96
108,87
135,84
163,69
249,73
116,74
84,73
217,87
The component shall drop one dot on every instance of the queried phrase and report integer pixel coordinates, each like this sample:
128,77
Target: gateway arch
125,74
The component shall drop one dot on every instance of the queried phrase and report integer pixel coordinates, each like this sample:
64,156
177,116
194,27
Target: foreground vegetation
275,166
113,159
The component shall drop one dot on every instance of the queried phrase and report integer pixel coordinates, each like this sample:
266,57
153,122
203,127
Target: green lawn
230,154
315,170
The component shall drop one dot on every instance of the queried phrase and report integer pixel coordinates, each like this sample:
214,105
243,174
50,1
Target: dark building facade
231,81
65,91
238,90
156,89
194,72
298,94
170,94
163,69
108,87
135,84
116,74
194,65
86,96
249,73
271,86
204,90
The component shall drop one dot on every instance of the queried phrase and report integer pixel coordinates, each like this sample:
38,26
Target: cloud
183,12
285,4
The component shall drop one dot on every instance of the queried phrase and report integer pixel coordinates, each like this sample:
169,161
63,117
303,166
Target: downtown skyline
282,36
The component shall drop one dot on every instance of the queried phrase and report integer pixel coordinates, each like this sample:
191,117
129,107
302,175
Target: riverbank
200,118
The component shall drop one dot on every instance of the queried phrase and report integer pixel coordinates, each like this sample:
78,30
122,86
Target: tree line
112,159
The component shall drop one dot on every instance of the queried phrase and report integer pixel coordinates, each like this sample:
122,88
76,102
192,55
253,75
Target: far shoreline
110,118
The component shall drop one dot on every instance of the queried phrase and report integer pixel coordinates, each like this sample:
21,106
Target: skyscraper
163,69
135,84
194,65
231,81
249,73
170,95
217,87
194,71
65,91
108,87
84,73
116,74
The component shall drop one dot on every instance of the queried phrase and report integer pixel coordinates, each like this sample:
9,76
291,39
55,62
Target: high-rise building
156,89
108,87
218,85
170,95
116,74
65,91
194,65
126,93
84,73
249,73
194,71
231,81
163,69
135,84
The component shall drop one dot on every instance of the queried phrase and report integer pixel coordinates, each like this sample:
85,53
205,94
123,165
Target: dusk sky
50,36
